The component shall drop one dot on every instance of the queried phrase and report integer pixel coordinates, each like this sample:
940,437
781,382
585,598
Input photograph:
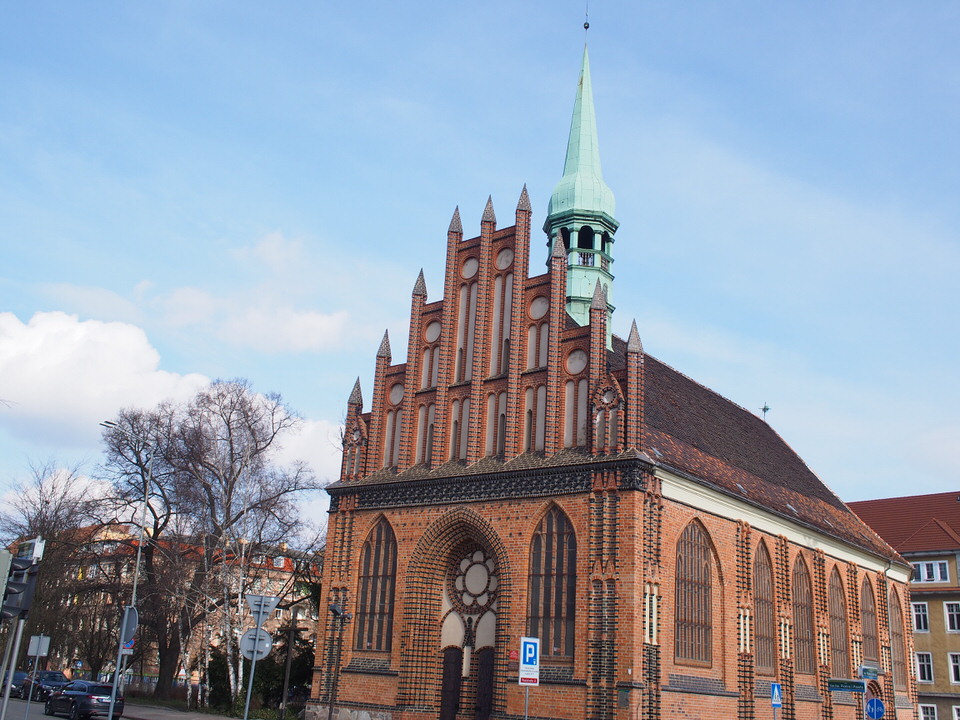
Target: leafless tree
214,492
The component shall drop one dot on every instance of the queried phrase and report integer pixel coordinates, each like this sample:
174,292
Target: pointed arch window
839,644
897,649
764,613
553,585
802,600
868,622
378,570
694,598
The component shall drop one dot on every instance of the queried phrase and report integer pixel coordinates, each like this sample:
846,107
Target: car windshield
52,675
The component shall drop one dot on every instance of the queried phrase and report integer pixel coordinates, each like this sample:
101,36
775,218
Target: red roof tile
916,523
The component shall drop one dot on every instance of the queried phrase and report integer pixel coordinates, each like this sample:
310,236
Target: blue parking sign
529,661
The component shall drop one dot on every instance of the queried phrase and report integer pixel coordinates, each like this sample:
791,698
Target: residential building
925,530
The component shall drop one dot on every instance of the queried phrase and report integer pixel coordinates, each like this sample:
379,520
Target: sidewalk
136,711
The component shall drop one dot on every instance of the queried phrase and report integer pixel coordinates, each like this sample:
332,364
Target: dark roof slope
695,430
916,523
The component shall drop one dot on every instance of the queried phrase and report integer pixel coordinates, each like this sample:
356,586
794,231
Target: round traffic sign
875,708
255,644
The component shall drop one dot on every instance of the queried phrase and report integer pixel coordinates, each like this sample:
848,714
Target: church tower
524,473
582,207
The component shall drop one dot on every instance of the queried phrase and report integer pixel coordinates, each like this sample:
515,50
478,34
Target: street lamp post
340,619
131,616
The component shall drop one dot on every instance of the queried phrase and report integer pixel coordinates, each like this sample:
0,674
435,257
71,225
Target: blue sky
197,190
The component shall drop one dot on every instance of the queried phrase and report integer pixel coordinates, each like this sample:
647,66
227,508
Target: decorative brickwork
516,401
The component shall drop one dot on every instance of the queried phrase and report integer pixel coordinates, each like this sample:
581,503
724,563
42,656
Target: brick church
524,472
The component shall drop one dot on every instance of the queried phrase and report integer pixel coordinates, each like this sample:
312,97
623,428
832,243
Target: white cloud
63,376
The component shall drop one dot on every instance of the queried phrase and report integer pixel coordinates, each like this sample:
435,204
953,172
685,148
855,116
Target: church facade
525,473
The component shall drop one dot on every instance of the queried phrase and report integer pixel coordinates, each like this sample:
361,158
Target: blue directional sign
875,708
776,695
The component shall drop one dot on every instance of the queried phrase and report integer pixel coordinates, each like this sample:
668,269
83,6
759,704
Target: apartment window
956,712
925,572
954,659
952,611
924,667
279,561
694,622
921,620
378,571
928,712
553,585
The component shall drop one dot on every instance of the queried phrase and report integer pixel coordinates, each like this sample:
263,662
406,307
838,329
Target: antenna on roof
765,409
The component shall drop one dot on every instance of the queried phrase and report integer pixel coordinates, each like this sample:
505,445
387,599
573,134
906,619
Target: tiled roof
693,429
916,523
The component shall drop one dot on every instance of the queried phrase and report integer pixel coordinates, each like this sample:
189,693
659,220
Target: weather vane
586,17
765,409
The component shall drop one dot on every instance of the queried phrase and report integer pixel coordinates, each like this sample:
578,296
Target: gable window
924,667
921,620
553,585
694,622
763,610
802,600
378,569
952,611
868,622
924,572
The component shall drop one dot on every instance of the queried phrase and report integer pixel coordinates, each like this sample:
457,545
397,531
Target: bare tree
61,505
213,492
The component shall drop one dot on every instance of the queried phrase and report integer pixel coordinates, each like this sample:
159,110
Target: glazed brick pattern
624,666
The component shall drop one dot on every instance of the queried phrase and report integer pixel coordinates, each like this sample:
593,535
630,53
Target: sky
236,189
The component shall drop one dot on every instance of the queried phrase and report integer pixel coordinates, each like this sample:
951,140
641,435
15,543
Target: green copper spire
582,186
581,209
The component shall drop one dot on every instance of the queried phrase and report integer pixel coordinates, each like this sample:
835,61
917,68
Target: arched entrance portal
468,631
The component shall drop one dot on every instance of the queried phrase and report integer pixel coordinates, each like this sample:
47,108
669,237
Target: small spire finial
586,17
765,409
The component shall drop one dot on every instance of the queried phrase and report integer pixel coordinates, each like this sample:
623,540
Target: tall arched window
839,643
897,651
803,617
868,622
765,641
553,585
694,598
378,571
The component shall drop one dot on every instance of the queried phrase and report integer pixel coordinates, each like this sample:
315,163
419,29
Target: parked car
83,699
39,685
18,677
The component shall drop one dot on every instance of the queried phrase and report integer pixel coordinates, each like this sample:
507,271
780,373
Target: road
18,710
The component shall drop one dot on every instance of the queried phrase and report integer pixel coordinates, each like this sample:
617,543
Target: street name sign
841,685
529,661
